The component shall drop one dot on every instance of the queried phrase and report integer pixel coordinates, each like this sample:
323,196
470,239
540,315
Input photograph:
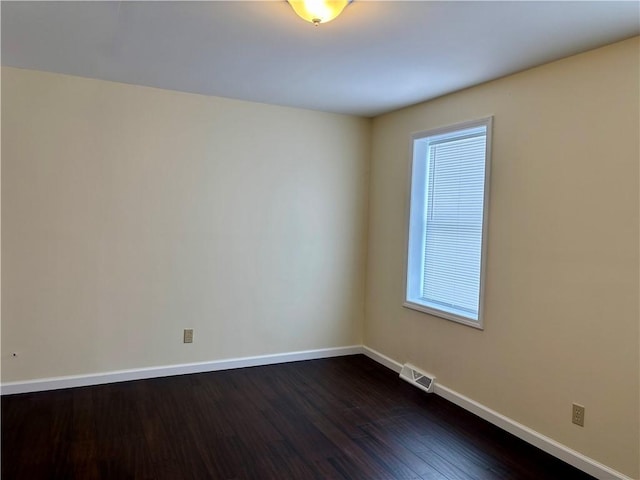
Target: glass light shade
318,11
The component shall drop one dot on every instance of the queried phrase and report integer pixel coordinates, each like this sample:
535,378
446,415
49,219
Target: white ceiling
374,58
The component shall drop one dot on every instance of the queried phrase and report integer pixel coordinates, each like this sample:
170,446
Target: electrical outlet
577,415
188,335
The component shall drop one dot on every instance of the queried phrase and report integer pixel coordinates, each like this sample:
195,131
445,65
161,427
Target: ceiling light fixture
318,11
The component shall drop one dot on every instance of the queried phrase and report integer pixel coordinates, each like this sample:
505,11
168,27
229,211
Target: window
447,221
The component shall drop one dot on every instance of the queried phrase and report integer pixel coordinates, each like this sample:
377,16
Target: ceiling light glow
318,11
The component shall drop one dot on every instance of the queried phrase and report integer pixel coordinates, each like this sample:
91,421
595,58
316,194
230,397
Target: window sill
441,314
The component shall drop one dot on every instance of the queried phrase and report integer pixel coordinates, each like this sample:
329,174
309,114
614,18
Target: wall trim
558,450
71,381
382,359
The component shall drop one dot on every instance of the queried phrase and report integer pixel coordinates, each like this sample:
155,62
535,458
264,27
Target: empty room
320,240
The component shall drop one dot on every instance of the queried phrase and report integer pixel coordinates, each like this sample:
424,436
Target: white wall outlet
188,335
577,415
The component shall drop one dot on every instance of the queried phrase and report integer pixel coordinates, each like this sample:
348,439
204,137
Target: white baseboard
543,442
57,383
564,453
382,359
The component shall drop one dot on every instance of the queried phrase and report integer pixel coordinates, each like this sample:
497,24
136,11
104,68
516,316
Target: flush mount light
318,11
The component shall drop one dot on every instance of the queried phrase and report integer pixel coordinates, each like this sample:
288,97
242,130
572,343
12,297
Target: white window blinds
447,222
453,233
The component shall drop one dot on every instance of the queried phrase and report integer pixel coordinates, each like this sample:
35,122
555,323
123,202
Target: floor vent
417,378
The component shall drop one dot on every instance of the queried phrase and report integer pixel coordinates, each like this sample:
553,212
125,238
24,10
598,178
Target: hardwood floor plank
345,418
432,439
365,462
397,444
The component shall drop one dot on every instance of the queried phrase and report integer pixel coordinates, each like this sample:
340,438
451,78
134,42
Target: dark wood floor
340,418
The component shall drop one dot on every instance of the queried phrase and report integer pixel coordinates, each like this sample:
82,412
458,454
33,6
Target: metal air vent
417,378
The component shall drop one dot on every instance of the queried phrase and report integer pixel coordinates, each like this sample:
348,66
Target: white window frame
416,223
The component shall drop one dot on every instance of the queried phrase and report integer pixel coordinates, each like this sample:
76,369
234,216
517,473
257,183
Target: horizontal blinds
453,223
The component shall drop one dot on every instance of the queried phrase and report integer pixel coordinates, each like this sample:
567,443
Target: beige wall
562,292
130,213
